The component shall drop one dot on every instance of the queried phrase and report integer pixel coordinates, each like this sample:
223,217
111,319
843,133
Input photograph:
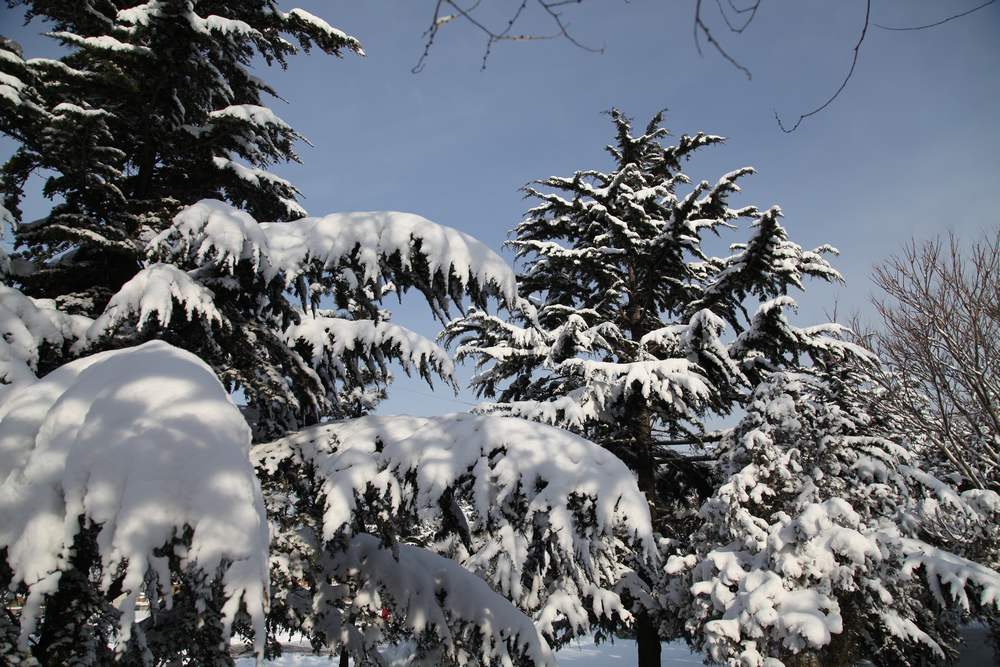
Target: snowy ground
977,653
583,654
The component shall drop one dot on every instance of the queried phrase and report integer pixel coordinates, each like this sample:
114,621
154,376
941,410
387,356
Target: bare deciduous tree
940,348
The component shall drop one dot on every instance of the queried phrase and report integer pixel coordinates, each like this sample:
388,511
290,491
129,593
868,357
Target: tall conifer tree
619,331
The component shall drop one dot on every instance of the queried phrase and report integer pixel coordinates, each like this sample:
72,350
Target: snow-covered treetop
146,446
544,516
154,106
621,306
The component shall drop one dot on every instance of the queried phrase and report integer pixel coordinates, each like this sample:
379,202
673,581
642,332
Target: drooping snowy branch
377,247
547,518
343,347
152,293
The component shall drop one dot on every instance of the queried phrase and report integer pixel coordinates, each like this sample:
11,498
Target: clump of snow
152,292
141,442
253,114
304,18
26,325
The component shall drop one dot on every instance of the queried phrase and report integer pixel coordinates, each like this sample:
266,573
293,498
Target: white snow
101,42
252,175
430,591
26,325
142,442
253,114
321,25
152,292
331,339
516,483
441,450
214,229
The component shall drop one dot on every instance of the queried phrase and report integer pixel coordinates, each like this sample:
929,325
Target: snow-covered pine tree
824,542
290,315
153,108
618,331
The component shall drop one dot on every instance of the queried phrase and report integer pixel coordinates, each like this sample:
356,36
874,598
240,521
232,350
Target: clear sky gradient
909,149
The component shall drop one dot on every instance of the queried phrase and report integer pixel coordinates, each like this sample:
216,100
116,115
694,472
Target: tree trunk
640,430
647,640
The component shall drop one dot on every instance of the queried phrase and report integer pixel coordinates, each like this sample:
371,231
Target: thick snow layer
152,292
212,229
350,455
141,442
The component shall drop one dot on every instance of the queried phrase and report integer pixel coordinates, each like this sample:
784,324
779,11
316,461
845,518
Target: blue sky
910,149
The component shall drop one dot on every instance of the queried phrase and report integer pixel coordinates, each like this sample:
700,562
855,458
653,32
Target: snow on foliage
378,246
152,292
140,445
545,517
430,593
27,327
341,345
816,538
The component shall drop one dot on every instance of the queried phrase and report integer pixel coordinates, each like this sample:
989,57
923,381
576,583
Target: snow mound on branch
430,591
252,114
153,291
26,325
142,442
212,228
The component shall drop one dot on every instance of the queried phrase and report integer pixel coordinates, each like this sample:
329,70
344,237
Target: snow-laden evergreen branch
549,519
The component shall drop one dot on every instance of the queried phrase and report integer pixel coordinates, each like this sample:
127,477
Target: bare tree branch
850,73
752,9
702,28
940,350
936,23
468,15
